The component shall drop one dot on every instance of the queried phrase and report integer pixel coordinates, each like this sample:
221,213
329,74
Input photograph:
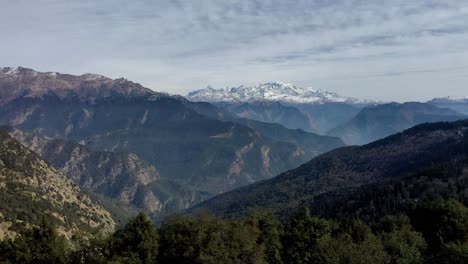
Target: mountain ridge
271,91
24,82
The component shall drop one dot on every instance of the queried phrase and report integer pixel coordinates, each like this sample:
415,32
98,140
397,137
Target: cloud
180,45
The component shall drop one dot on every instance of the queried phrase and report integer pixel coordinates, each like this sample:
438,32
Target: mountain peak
269,91
24,82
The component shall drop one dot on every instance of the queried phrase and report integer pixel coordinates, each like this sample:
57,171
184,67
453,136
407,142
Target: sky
395,50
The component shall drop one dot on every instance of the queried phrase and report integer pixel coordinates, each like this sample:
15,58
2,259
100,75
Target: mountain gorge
31,189
197,150
121,176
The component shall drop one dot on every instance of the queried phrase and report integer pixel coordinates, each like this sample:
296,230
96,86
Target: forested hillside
31,190
260,238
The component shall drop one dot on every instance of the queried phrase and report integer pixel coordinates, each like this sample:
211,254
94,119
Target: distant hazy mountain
31,189
315,118
272,112
326,116
196,153
459,105
425,162
375,122
272,91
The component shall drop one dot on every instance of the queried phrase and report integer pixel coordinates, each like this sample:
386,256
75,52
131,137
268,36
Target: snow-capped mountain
271,91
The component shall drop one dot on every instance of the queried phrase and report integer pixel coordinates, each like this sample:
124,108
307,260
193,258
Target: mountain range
198,149
132,148
355,121
271,91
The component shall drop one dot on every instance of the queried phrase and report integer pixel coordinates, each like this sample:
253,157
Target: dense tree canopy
429,232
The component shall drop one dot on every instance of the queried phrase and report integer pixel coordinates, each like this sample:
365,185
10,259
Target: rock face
424,162
30,189
375,122
197,154
272,91
121,176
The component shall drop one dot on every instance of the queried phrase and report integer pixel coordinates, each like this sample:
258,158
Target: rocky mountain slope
424,162
31,189
197,154
375,122
272,91
121,176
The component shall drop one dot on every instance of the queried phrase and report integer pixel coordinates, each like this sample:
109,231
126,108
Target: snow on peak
52,74
93,77
10,70
21,71
270,91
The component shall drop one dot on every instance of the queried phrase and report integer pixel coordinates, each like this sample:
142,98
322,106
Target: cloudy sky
375,49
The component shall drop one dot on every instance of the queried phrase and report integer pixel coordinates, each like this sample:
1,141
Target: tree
269,233
441,222
41,244
137,242
302,235
401,241
205,239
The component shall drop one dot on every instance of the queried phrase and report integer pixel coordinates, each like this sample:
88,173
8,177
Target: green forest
426,232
